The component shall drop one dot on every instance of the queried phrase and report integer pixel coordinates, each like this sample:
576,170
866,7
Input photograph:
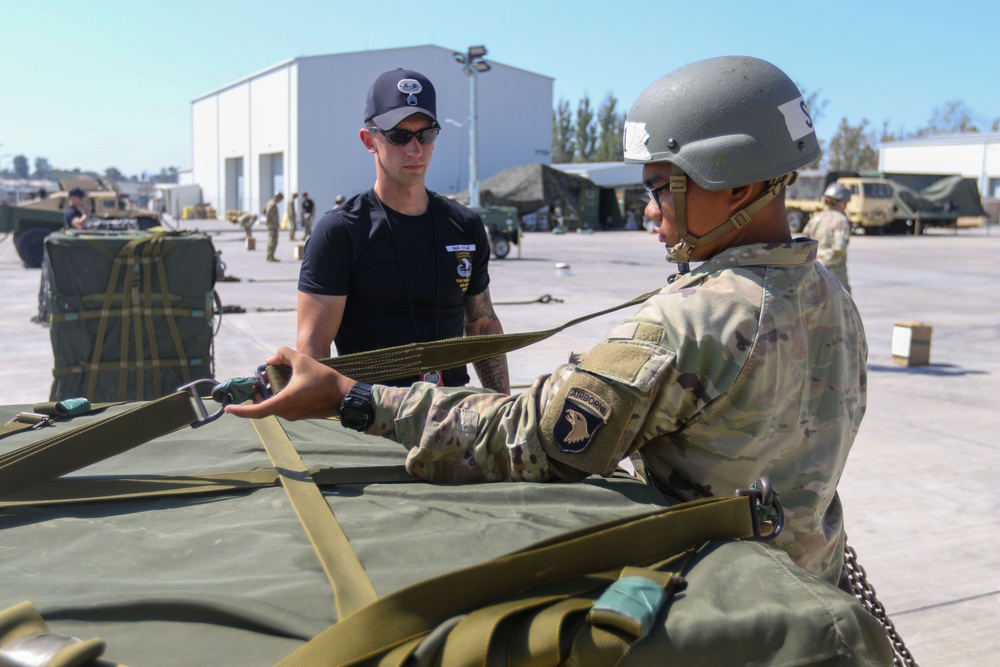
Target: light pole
472,65
458,152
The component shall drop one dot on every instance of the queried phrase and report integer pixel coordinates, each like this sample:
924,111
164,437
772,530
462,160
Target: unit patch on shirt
463,268
583,414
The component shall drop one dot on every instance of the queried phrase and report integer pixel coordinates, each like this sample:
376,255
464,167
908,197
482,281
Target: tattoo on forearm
480,307
493,374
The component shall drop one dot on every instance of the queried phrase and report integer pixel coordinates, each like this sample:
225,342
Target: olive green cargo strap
352,589
25,640
416,610
71,450
408,360
110,489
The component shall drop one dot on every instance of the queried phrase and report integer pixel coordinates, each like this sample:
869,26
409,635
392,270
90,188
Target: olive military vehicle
29,228
32,220
887,203
871,205
503,228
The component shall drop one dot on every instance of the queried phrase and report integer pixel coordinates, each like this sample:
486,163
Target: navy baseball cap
398,94
77,192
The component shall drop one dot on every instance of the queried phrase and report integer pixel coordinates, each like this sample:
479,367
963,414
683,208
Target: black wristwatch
356,410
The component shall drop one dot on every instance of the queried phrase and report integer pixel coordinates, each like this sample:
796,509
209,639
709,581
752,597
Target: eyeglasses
403,137
654,193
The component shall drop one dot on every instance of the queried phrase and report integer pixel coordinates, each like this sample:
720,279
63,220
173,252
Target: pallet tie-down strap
76,448
416,610
96,489
102,324
352,589
408,360
133,267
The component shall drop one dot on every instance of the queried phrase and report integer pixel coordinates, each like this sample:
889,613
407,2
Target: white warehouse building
294,127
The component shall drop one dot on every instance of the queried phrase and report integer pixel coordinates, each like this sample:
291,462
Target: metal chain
864,592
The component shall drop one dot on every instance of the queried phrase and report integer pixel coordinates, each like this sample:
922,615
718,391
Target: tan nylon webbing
406,614
352,589
407,360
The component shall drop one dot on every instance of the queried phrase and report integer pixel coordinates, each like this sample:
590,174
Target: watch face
356,409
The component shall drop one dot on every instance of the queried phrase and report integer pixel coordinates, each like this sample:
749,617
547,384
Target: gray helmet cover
726,122
837,191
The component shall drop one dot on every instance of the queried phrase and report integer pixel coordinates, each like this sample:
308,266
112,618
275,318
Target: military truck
887,202
29,227
502,225
32,220
871,205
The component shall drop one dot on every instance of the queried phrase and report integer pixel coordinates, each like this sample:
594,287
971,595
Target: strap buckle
231,391
35,419
766,509
35,649
203,415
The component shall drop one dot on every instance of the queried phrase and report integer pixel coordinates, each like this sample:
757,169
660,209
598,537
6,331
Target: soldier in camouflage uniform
751,365
272,220
831,228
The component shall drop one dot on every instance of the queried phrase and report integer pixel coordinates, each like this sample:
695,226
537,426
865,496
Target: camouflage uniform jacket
752,365
833,231
271,217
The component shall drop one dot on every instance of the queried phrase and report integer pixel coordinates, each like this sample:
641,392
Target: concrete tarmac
919,489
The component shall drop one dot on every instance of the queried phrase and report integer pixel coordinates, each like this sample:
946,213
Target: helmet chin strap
687,243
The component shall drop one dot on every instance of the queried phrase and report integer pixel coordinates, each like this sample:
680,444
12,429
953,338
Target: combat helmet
837,191
723,122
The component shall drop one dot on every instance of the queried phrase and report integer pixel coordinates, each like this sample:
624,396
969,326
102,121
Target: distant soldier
247,221
273,221
292,218
308,213
833,231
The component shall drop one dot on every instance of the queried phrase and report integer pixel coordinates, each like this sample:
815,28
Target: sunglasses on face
403,137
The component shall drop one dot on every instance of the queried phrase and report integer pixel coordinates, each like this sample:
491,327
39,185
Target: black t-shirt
307,205
405,277
72,213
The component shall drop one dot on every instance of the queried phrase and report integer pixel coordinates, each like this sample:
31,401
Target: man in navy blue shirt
399,264
76,216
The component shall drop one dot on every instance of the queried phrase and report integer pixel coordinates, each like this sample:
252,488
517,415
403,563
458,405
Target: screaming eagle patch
583,413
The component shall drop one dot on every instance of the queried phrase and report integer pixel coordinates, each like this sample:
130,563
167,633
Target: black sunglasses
403,137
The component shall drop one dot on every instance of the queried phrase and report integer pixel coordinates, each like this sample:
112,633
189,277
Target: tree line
44,170
585,135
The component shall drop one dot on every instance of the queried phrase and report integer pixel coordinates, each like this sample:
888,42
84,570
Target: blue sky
110,83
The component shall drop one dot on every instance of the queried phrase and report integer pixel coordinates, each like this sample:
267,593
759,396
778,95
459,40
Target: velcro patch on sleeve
617,360
643,331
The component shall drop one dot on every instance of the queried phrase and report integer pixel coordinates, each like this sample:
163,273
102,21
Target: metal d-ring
203,415
262,385
766,507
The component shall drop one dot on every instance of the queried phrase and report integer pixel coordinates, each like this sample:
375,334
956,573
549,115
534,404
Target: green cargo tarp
130,312
231,578
935,197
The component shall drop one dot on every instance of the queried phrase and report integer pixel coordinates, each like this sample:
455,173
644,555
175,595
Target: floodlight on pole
472,65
